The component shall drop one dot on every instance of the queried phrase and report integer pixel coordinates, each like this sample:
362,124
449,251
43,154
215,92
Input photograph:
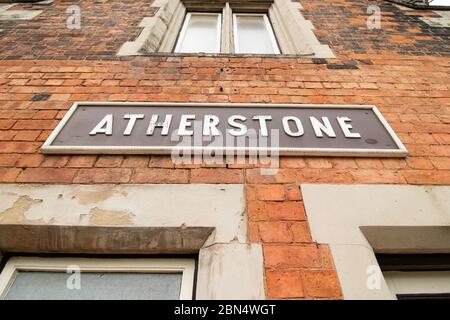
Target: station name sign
164,128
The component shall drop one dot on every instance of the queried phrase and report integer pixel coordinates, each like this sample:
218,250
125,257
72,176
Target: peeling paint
110,217
16,213
93,197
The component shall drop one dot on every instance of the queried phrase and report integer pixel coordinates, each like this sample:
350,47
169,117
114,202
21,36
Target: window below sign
417,276
25,278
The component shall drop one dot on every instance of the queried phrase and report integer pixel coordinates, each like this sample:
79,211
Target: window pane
253,35
95,286
200,34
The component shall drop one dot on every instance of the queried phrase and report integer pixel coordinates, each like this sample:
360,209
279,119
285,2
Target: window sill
227,55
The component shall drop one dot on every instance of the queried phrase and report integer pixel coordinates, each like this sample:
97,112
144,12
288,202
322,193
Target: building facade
315,226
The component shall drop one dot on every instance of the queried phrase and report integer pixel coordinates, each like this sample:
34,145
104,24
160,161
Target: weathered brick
150,175
256,210
47,175
19,147
8,160
204,175
441,163
135,162
285,211
55,161
275,232
441,177
101,175
270,192
301,232
27,135
84,161
321,284
109,161
284,284
291,256
9,174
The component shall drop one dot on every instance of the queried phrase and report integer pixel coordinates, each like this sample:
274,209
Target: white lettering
105,126
184,124
131,122
263,124
242,129
324,127
346,127
210,125
299,132
164,125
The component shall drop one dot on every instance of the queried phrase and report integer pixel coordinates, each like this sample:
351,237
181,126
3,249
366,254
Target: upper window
253,34
200,33
206,32
227,27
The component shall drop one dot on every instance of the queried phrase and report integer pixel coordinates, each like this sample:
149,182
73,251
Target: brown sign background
72,134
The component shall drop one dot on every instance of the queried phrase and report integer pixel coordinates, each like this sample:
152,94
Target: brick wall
403,69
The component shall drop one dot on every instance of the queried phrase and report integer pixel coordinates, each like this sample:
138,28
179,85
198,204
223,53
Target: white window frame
184,28
184,266
269,28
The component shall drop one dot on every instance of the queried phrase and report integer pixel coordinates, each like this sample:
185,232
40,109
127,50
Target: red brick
293,192
256,211
34,124
8,160
343,163
47,175
291,256
433,177
135,162
318,163
284,284
55,161
270,192
301,232
419,163
369,163
27,135
292,162
377,176
9,174
45,115
109,161
150,175
285,211
321,284
30,160
81,161
253,232
441,163
161,162
216,176
250,192
100,175
19,147
6,124
275,232
324,176
326,257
